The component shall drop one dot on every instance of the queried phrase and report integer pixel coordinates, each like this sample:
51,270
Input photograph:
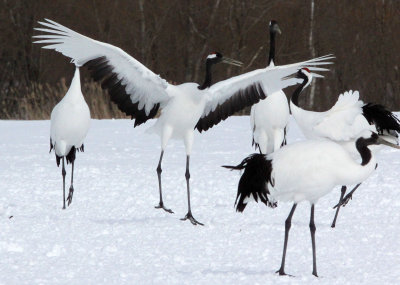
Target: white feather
343,122
141,83
272,79
70,119
308,170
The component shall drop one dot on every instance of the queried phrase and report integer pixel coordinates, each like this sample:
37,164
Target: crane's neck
271,58
74,93
207,81
365,152
295,96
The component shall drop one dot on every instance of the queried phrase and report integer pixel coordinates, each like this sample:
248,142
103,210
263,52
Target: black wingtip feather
237,102
102,71
254,180
382,118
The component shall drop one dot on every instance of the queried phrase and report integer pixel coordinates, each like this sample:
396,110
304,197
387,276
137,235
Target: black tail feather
382,118
51,145
70,157
254,180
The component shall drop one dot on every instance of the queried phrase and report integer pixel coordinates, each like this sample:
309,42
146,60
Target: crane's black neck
207,81
362,147
271,47
295,96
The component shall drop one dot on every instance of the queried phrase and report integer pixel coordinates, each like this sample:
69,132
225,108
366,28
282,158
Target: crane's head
371,138
217,57
304,74
273,27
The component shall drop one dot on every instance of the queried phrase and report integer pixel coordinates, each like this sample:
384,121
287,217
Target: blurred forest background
173,38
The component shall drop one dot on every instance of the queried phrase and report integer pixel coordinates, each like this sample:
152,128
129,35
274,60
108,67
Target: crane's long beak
278,29
385,142
291,76
231,61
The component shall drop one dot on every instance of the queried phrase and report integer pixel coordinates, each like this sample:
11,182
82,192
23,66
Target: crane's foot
161,206
189,217
70,195
281,272
344,201
315,273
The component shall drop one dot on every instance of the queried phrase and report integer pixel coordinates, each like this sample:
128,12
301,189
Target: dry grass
35,101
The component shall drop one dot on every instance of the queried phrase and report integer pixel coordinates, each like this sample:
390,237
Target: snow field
111,233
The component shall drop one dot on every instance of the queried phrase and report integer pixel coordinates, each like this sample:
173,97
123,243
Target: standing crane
304,171
269,117
70,120
343,123
141,94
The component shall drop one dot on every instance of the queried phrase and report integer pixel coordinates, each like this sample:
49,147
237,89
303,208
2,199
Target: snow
111,233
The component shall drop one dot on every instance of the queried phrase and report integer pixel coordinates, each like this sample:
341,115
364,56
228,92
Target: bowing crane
141,94
343,123
304,171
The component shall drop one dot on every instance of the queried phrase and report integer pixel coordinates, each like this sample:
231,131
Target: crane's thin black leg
71,188
159,170
343,191
63,173
312,230
189,215
348,197
288,224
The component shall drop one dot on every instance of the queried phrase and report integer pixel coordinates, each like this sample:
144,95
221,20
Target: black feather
254,180
237,102
70,157
102,71
382,118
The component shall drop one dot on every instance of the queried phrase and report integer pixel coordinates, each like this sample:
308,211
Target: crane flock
336,140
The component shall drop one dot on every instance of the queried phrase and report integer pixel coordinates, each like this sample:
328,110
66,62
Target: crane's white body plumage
70,119
268,120
181,124
308,170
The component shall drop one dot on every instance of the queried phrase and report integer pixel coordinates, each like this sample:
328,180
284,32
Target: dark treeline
173,37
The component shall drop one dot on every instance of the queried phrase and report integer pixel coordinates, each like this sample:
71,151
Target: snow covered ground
111,234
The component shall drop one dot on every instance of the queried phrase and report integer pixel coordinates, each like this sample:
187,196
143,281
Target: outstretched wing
344,120
234,94
136,89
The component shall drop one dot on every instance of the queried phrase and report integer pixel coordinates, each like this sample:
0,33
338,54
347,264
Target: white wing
234,94
344,121
136,89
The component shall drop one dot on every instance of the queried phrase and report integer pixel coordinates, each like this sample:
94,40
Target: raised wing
232,95
383,119
344,120
136,89
239,100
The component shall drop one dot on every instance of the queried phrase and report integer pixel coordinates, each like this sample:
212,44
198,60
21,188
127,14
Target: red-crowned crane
141,94
70,121
343,123
269,117
303,171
